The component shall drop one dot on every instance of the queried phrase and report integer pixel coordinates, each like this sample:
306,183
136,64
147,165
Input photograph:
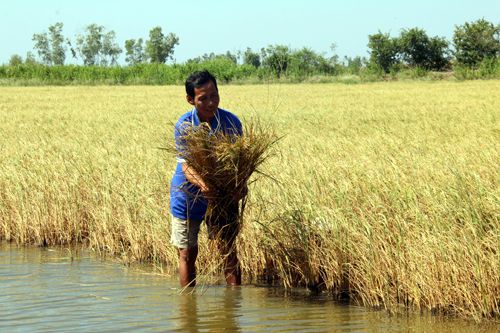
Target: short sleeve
180,143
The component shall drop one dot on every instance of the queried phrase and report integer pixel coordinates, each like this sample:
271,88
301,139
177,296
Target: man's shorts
184,233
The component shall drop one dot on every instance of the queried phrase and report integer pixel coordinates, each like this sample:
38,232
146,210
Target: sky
223,25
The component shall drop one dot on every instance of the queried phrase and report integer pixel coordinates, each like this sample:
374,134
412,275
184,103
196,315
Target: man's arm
194,178
191,175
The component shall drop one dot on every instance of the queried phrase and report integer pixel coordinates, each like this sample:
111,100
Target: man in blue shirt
188,190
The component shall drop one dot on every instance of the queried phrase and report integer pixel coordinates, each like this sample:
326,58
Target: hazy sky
223,25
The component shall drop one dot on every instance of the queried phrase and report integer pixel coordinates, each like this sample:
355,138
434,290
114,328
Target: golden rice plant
225,162
387,192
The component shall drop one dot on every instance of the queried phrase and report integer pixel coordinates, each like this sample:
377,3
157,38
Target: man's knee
188,255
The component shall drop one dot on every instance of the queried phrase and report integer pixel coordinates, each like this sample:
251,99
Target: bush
488,69
226,71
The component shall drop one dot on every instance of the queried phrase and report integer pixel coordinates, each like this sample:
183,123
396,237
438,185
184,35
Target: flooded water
51,290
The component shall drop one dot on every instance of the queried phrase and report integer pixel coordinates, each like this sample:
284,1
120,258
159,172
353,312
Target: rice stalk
226,162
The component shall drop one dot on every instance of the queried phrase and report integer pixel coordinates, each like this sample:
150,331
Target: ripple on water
53,290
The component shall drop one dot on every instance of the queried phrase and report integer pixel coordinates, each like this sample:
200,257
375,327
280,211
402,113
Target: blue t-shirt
185,200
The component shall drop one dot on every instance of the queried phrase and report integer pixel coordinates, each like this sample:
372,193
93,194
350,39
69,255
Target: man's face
206,101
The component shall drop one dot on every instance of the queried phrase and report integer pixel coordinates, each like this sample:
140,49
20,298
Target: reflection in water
53,290
220,314
188,314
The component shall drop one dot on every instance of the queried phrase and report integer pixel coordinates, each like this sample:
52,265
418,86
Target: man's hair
197,79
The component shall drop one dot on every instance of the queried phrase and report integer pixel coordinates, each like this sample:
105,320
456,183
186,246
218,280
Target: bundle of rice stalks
225,163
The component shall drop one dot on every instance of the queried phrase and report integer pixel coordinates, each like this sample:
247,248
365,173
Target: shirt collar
195,120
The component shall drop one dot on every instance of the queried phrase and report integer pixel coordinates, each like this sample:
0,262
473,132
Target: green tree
42,47
98,47
134,51
228,56
159,47
57,49
110,50
413,46
276,58
15,60
334,59
476,41
306,62
232,57
439,53
50,46
418,50
89,45
354,65
251,58
384,51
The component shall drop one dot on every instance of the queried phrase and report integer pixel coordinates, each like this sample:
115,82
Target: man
187,206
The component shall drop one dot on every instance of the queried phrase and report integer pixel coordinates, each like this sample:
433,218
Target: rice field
385,192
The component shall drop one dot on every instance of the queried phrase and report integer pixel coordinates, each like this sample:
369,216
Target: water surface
54,290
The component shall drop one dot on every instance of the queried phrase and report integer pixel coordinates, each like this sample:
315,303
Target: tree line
97,47
475,45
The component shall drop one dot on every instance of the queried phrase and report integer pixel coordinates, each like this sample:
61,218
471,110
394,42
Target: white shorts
184,233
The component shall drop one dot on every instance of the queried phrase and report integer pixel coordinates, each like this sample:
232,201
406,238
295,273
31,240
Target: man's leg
223,228
187,266
184,236
232,270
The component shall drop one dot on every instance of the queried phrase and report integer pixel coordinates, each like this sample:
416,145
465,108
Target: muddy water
54,290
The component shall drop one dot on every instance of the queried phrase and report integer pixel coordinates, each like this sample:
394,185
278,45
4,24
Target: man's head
198,79
202,93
